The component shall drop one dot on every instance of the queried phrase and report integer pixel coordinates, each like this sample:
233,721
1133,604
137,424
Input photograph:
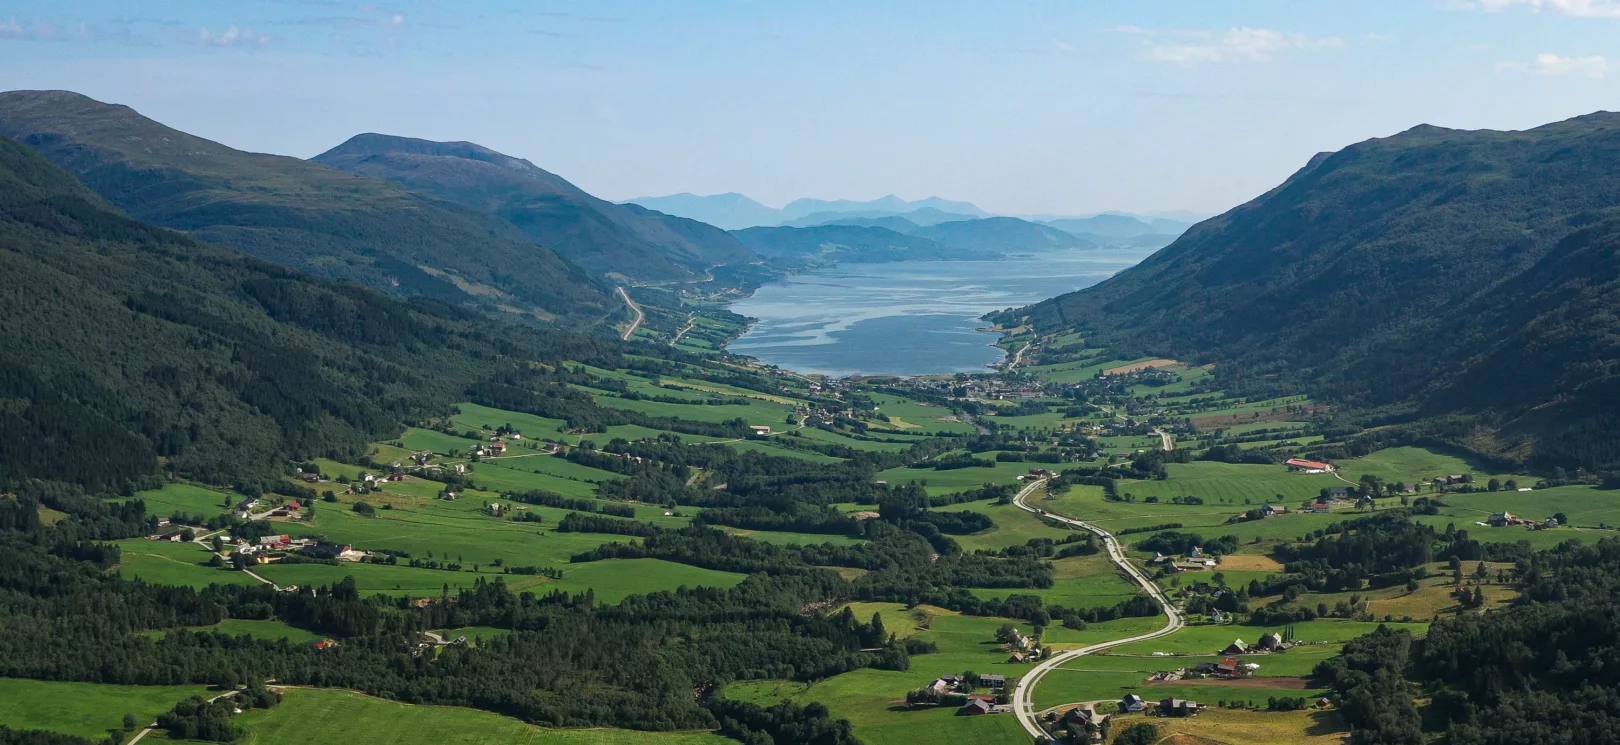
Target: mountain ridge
1362,276
300,214
618,242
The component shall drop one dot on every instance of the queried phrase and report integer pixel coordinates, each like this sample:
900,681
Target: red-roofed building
1310,466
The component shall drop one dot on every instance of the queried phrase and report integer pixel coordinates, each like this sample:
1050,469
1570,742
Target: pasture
86,710
321,717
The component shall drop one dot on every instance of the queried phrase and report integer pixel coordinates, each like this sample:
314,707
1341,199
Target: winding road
634,309
1023,696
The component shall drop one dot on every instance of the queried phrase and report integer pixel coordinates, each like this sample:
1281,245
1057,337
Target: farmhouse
1236,647
993,681
1309,466
976,706
1177,707
1132,703
760,429
497,448
1271,641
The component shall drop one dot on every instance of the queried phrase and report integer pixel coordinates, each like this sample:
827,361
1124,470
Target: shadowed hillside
300,214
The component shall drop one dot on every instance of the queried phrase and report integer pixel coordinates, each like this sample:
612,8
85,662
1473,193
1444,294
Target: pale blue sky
1022,106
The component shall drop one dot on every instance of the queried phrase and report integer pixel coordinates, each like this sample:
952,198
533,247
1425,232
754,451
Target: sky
1020,106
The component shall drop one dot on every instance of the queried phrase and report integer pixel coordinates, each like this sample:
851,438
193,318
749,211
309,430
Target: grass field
1079,582
1236,727
164,563
957,479
254,628
868,697
190,499
323,717
1203,640
84,709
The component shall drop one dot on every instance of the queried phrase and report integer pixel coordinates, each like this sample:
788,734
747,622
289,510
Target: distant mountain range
1464,283
619,242
735,211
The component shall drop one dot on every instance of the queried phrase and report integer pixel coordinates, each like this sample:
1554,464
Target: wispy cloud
1575,8
231,37
1546,63
1188,47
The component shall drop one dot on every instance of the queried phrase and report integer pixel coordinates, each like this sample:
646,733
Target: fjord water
908,317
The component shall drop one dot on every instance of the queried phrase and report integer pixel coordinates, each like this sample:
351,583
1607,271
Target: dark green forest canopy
133,343
300,214
1432,273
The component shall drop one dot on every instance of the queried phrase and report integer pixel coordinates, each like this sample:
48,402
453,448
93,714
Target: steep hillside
299,214
121,343
610,240
1432,272
730,211
800,248
999,234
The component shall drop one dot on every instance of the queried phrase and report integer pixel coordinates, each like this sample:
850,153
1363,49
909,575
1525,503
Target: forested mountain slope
619,241
300,214
121,343
1432,272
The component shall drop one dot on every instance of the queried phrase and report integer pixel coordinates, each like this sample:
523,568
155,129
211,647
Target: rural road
633,308
1019,357
1165,440
1023,697
691,320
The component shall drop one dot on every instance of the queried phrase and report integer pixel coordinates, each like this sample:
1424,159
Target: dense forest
1461,282
1539,670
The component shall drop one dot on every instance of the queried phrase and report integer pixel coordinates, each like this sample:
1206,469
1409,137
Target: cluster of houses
1272,642
273,548
1508,519
1084,718
976,703
1195,560
1023,648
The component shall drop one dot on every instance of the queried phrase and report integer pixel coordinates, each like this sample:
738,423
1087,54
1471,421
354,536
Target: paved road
1165,440
1023,696
690,321
1019,357
633,308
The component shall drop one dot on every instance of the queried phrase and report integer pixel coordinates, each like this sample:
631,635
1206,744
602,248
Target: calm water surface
908,317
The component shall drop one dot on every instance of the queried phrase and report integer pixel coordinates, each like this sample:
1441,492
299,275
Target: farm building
976,706
1178,707
1132,703
1309,466
760,429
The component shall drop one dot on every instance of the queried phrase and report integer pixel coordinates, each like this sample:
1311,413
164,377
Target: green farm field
164,563
84,709
255,628
956,479
321,717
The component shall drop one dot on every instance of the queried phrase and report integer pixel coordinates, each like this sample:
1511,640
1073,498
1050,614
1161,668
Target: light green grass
164,563
958,479
323,717
190,499
84,709
254,628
